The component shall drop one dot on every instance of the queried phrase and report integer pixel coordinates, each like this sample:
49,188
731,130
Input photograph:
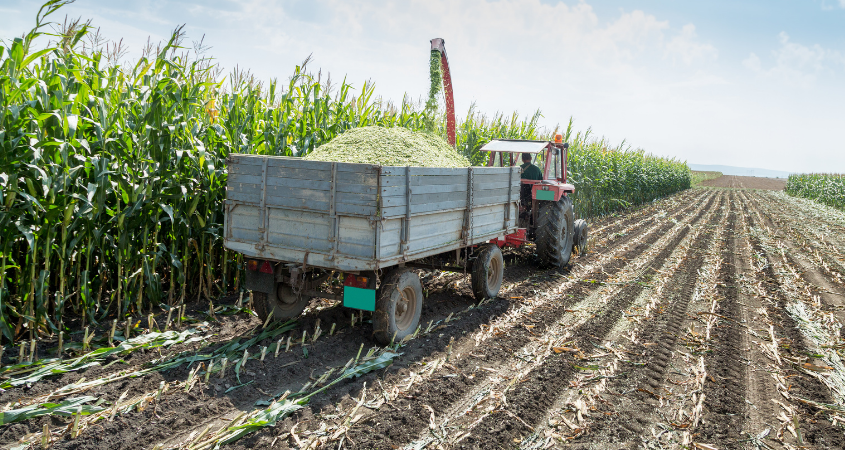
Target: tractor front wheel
580,237
488,270
554,232
398,306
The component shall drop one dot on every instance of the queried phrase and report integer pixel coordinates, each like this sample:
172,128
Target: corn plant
609,178
283,407
700,176
29,373
112,176
828,189
606,178
68,407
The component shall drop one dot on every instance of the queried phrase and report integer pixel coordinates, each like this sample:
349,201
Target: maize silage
435,74
395,146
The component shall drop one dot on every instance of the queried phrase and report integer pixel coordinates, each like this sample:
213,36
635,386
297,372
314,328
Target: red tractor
546,215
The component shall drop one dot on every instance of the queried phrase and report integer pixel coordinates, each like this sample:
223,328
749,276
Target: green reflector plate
545,195
359,298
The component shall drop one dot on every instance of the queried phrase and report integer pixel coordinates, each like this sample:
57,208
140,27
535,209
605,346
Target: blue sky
744,83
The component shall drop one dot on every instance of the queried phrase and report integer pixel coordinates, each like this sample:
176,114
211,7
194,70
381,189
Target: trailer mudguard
259,281
359,298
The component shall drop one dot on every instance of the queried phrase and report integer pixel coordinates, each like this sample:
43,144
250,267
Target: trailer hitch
297,275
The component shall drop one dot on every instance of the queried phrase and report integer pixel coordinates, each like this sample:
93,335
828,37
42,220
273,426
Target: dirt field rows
710,319
740,182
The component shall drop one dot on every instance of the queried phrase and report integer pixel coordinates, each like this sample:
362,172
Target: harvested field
709,319
738,182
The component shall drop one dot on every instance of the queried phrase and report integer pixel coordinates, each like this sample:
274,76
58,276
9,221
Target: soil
659,336
739,182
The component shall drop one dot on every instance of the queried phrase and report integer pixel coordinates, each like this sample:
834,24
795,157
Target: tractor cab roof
515,146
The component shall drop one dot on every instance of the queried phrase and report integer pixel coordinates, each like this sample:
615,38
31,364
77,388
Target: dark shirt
531,172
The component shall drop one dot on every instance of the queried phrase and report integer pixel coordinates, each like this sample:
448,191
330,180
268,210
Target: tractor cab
549,157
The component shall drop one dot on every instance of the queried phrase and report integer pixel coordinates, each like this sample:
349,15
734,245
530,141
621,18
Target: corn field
608,179
824,188
112,174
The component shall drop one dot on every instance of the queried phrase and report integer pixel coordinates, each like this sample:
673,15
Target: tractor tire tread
553,221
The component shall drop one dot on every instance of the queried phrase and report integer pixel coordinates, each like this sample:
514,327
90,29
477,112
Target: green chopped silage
389,147
436,77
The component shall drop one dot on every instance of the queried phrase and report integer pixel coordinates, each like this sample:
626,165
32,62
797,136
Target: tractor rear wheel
554,232
398,306
282,304
488,271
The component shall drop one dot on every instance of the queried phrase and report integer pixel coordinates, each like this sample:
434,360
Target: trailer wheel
398,306
580,239
554,232
283,305
488,270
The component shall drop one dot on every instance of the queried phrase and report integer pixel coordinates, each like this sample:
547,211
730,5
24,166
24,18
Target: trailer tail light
266,267
356,281
261,266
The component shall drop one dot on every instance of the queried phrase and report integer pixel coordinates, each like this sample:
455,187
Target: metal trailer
305,224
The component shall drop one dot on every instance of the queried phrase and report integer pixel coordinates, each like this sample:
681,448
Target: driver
529,170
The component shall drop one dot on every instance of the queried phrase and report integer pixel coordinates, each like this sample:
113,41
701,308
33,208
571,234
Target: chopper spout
439,45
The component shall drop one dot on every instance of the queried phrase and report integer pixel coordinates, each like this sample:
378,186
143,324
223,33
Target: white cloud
836,4
753,62
524,50
797,63
686,47
525,29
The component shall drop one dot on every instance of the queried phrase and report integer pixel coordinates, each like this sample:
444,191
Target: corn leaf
68,407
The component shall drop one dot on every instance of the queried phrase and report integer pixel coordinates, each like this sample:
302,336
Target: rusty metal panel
356,237
299,229
244,222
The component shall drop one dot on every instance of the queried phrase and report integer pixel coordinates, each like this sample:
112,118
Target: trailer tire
283,304
554,232
398,306
488,271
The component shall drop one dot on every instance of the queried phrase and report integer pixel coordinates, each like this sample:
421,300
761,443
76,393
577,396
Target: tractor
546,215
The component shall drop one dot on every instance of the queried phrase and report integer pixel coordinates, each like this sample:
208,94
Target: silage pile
389,147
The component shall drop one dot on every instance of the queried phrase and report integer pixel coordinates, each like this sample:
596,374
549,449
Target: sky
732,82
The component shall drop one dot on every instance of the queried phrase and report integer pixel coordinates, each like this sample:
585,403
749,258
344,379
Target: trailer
302,223
356,233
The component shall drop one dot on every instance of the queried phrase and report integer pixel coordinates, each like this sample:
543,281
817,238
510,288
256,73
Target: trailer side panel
362,217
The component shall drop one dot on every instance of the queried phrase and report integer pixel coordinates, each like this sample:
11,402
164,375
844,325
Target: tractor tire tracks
412,417
536,393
